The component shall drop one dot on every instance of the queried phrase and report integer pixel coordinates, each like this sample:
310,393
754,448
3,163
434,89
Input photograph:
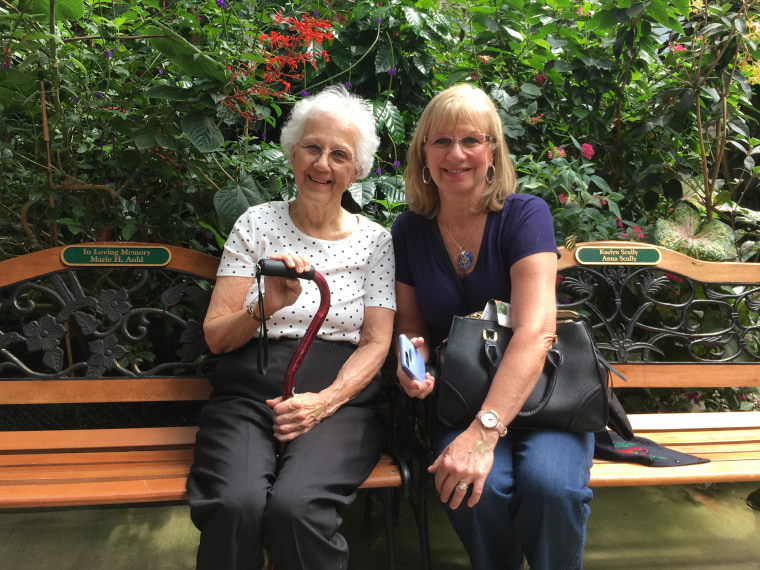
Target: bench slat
135,484
695,421
90,439
628,474
105,390
690,375
85,457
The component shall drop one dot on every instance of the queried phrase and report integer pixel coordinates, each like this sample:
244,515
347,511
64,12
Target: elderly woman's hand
414,388
297,415
466,462
282,292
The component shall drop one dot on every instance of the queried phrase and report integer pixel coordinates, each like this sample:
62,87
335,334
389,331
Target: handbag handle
553,361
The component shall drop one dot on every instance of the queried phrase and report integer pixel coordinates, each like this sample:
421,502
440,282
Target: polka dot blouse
358,269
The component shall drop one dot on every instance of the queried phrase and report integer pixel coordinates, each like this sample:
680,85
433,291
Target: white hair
337,101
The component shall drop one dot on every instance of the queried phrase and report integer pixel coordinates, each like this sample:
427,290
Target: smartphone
411,360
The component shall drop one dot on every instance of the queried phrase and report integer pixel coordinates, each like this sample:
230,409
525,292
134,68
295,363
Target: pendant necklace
465,258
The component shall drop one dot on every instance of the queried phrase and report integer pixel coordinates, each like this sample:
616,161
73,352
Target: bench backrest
101,323
666,319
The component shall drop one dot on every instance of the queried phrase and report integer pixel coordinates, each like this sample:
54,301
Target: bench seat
730,440
111,466
102,374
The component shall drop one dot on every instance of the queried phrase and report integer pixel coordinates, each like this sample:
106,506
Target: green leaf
184,54
64,9
389,117
362,192
202,132
231,201
169,93
144,141
711,241
413,18
384,60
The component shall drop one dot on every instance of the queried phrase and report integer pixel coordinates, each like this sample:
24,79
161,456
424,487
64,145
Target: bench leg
420,509
389,522
753,499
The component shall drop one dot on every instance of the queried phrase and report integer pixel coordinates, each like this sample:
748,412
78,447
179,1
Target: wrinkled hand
279,291
296,415
414,388
468,459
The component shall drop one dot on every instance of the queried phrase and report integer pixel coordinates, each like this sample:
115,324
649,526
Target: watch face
489,419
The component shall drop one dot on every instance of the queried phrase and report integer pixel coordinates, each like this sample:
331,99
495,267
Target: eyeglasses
337,156
467,142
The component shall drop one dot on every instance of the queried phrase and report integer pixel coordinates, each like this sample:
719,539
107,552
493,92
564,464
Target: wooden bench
664,320
680,323
102,362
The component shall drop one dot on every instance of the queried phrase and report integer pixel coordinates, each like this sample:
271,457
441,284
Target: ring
463,486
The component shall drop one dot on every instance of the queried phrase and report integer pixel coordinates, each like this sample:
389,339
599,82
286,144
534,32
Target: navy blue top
522,228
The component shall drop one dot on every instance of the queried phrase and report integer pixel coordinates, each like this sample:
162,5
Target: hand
414,388
280,291
297,415
467,460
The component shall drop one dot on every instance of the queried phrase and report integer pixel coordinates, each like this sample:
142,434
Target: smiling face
318,176
460,167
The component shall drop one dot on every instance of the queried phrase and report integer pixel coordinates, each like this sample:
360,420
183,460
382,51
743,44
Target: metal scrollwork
79,323
647,314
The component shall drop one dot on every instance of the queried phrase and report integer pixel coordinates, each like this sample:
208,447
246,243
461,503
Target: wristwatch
490,420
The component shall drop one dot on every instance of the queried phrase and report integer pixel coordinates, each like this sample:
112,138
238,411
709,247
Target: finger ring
463,486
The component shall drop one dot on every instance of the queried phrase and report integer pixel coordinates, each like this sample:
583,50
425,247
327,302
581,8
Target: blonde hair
461,102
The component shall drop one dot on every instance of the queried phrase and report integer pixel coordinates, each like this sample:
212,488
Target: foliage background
158,120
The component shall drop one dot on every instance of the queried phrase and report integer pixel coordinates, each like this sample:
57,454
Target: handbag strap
450,265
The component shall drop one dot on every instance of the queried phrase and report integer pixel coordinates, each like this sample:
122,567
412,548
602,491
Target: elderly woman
243,498
508,493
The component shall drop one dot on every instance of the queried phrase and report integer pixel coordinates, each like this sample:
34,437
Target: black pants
243,499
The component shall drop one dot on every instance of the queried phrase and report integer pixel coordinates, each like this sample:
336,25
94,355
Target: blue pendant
465,259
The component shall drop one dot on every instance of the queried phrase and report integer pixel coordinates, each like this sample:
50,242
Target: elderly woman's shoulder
371,226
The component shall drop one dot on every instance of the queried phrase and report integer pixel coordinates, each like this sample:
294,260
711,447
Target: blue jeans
535,502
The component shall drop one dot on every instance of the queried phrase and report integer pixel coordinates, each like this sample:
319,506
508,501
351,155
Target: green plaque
617,255
116,255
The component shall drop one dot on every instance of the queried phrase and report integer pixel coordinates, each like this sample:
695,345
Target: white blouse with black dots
359,270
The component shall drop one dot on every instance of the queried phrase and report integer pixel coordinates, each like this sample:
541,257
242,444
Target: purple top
522,228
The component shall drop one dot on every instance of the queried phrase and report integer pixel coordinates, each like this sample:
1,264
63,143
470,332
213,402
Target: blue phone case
411,360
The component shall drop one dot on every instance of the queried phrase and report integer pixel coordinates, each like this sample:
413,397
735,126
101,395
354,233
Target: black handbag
572,394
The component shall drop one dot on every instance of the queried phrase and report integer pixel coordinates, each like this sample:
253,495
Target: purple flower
378,171
99,95
160,71
108,54
379,21
348,84
304,93
76,99
316,14
221,3
264,136
392,71
396,163
100,144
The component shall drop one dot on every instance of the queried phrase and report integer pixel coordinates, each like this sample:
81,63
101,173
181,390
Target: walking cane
276,268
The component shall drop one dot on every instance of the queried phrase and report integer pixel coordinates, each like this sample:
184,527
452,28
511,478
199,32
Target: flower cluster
286,55
560,153
587,151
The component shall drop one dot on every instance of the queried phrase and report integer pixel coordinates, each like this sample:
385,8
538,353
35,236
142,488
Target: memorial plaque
617,255
116,255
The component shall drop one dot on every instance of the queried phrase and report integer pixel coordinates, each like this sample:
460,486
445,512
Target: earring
429,176
490,179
